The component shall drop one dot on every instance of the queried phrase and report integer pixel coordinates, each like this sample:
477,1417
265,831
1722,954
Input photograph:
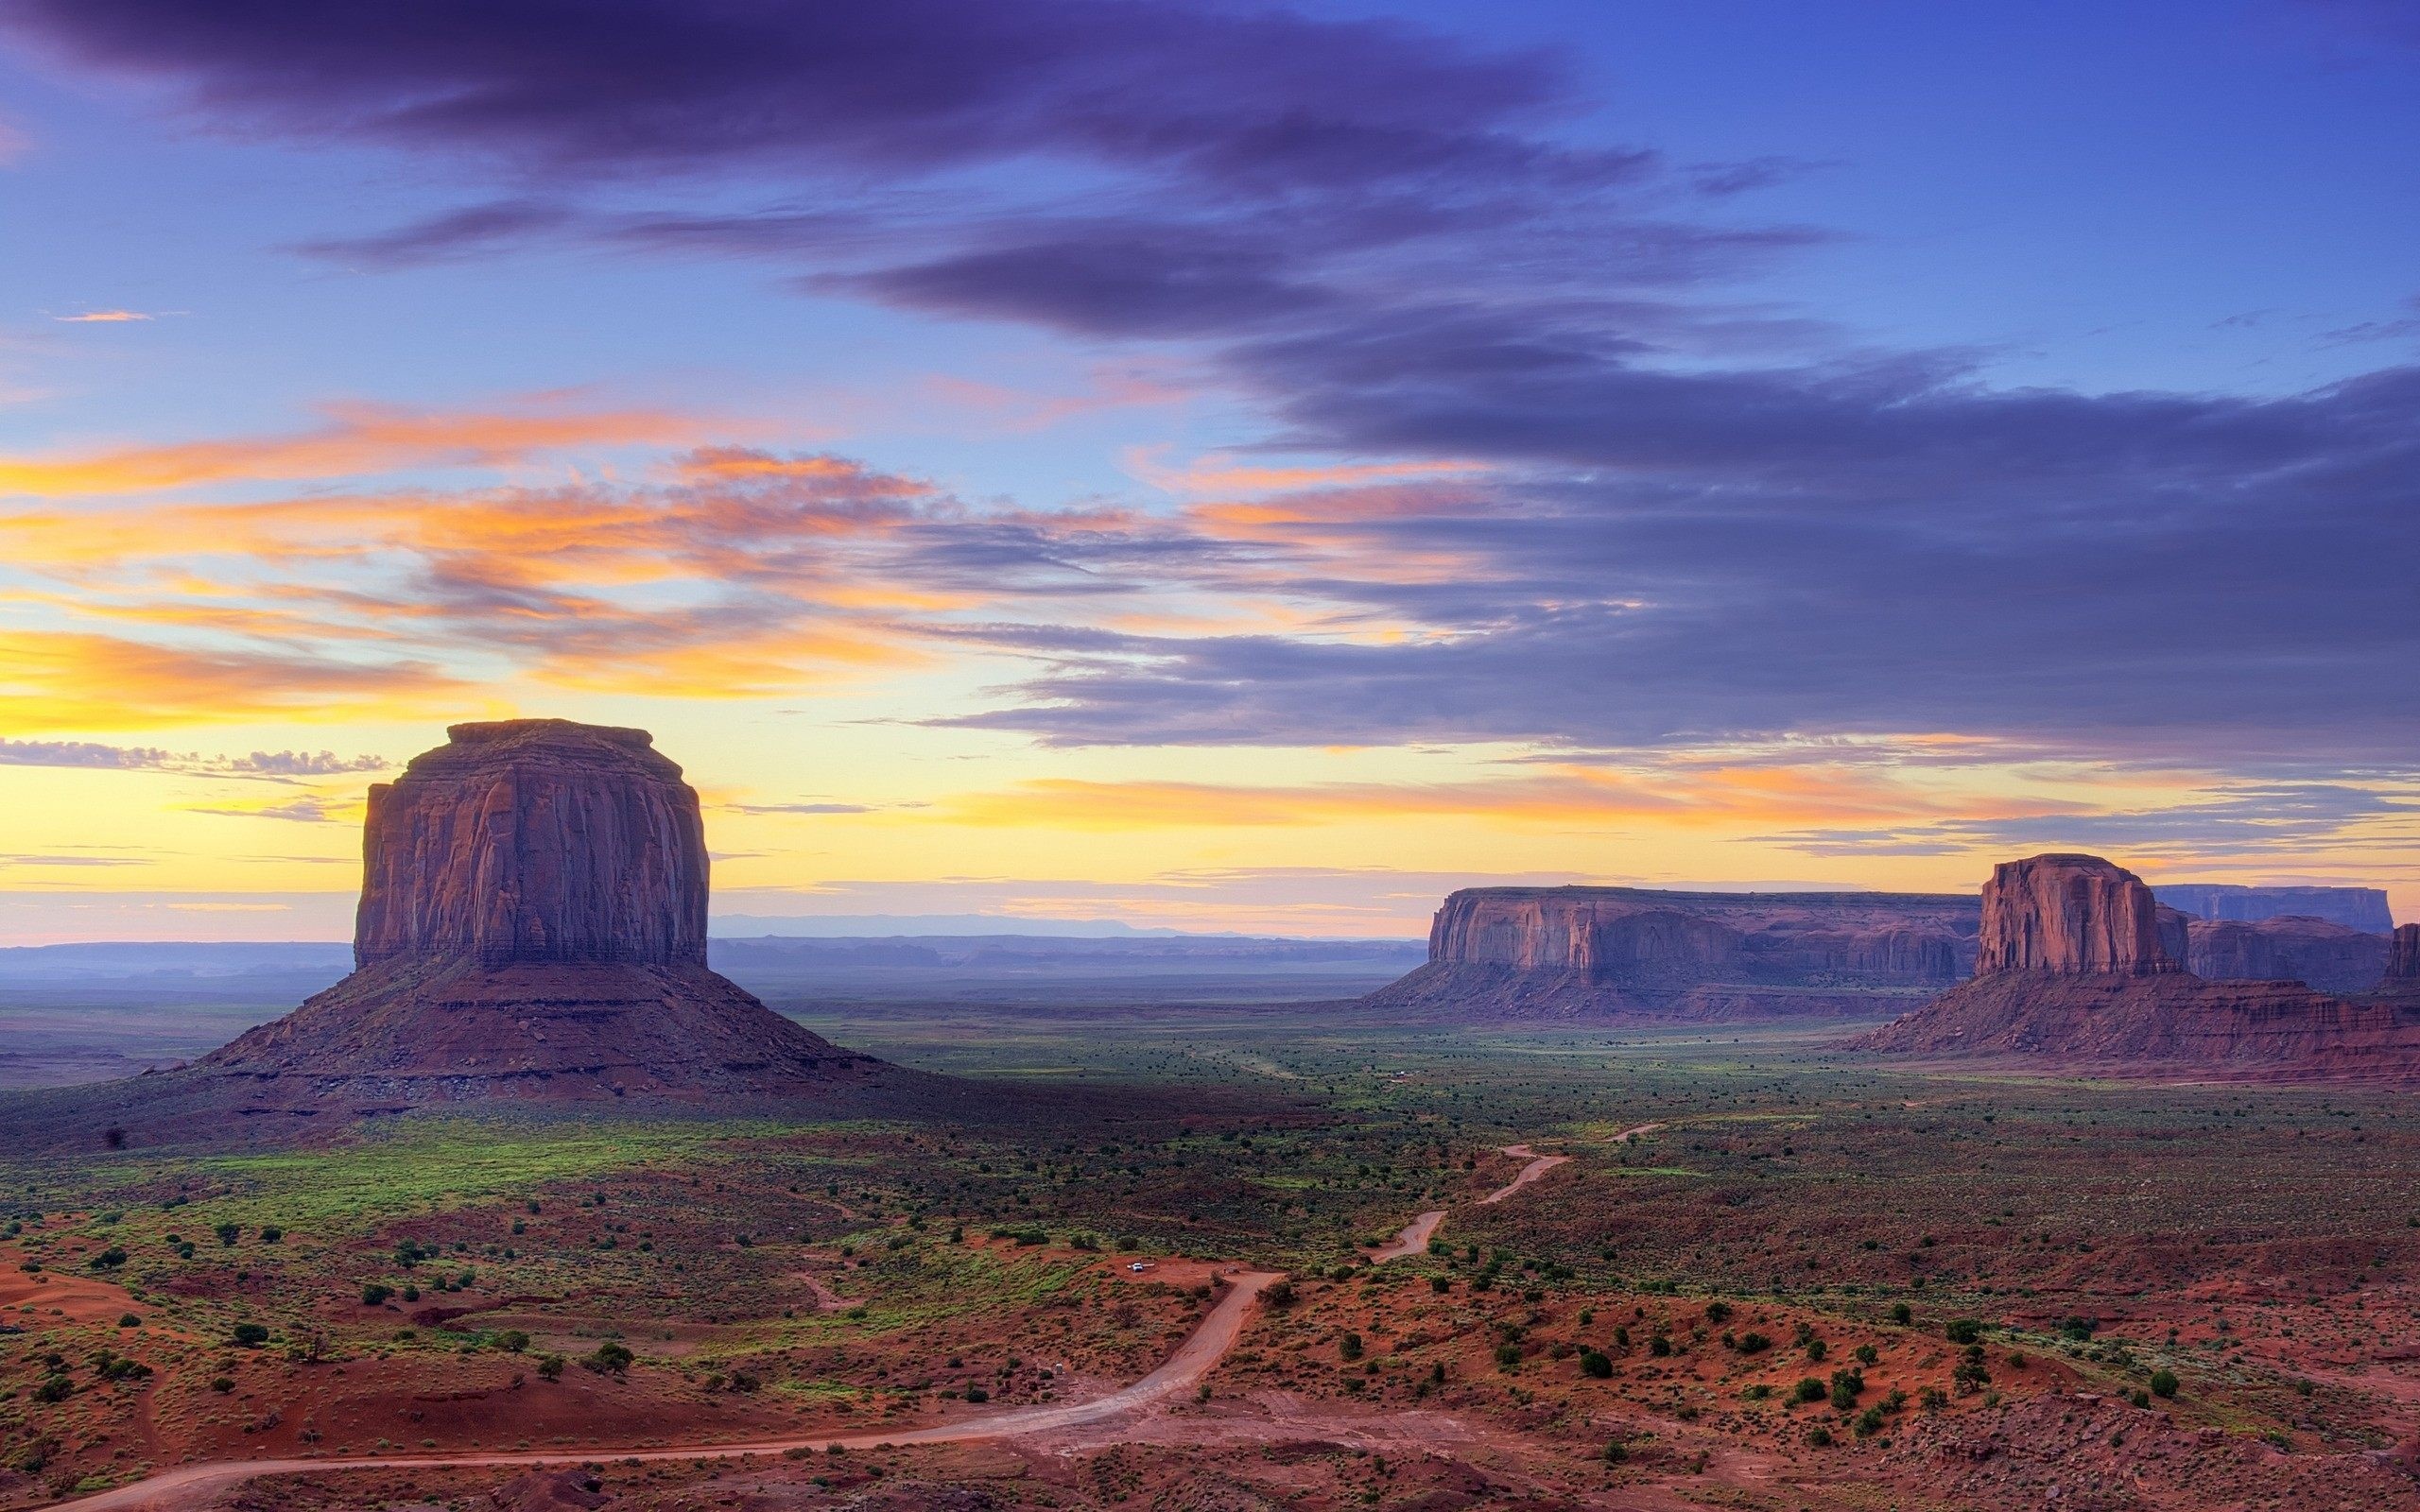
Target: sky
1213,466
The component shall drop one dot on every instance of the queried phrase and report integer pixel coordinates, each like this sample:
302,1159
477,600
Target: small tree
610,1359
2164,1383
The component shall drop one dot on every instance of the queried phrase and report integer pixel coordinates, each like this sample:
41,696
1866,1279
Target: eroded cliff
1635,952
2080,971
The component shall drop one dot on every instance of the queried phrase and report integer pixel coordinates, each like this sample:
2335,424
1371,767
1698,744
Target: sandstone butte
532,931
2080,968
1641,953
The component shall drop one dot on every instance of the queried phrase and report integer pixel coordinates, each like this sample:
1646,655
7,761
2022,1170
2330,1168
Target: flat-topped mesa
535,840
2076,916
2361,909
1652,954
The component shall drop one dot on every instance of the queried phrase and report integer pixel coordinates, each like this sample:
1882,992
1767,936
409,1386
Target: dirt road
1417,1233
1538,1166
190,1486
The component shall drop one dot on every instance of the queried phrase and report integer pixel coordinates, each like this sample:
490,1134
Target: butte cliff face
2080,969
2076,916
1634,952
535,840
531,930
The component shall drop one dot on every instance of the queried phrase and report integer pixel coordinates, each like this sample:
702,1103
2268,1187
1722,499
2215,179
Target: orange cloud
357,439
82,681
1573,795
102,318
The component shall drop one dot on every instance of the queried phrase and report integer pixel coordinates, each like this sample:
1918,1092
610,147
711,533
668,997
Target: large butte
532,931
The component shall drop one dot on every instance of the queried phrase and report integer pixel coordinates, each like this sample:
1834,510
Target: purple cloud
1702,524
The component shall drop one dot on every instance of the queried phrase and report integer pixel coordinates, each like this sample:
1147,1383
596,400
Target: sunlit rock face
535,840
2076,915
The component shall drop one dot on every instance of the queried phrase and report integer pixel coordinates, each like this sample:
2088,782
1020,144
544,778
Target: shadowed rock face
2361,909
535,840
1640,952
2076,916
2402,977
2286,949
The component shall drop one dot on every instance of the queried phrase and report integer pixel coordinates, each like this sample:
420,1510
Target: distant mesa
2320,953
2359,908
2081,967
531,931
1643,955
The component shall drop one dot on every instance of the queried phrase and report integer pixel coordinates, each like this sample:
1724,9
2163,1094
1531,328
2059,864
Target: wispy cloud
102,318
356,439
94,755
73,680
306,810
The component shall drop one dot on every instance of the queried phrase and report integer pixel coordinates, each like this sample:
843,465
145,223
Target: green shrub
251,1335
2164,1383
609,1359
1596,1363
1962,1329
1808,1390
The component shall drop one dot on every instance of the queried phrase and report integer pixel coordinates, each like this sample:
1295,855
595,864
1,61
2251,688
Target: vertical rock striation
533,840
2076,915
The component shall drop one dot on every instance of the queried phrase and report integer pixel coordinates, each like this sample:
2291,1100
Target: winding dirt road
1416,1234
189,1485
1538,1166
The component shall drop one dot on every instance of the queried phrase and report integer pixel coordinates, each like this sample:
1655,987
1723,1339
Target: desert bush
609,1358
1962,1329
1808,1390
2164,1383
1594,1362
251,1335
